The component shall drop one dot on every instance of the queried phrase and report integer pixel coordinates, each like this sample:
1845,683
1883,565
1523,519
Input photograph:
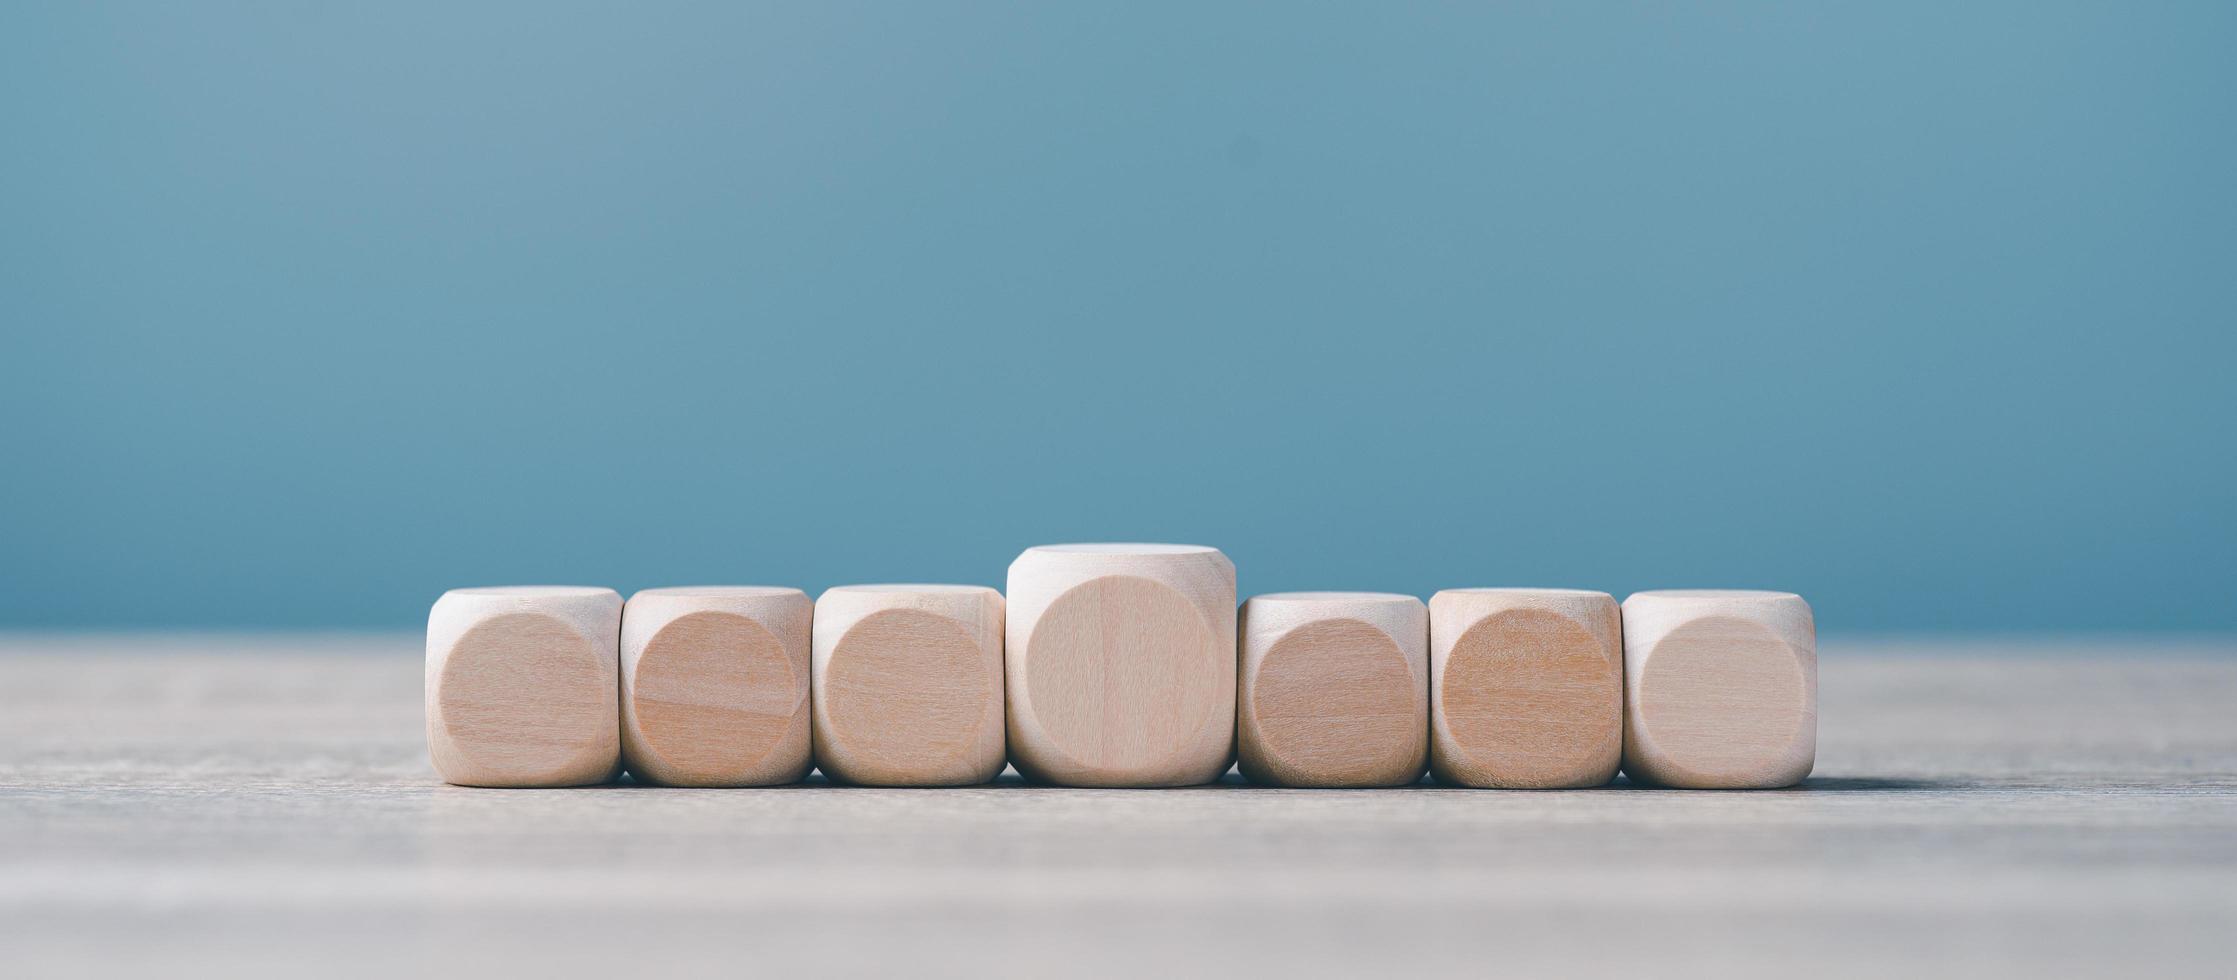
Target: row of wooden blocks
1118,665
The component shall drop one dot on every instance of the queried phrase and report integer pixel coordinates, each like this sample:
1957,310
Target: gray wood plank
226,805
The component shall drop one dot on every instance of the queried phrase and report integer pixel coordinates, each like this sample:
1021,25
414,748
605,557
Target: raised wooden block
1722,689
908,684
1121,664
1334,689
1525,688
520,686
714,686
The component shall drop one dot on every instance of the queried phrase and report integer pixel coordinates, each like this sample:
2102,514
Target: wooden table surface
263,805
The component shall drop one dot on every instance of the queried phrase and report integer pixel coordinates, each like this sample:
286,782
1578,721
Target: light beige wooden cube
1722,689
520,686
1526,688
1121,664
1334,689
714,685
908,685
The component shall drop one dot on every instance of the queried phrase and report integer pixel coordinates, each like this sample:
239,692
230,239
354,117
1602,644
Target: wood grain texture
1721,689
1121,664
211,805
908,685
1333,689
714,685
1526,688
520,686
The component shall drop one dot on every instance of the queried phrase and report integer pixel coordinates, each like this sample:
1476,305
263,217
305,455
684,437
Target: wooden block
520,686
1525,688
714,686
1122,664
1722,689
908,685
1334,689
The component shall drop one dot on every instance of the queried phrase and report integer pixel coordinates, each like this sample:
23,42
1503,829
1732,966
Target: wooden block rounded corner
1526,688
908,685
1121,664
714,685
1721,689
521,686
1333,689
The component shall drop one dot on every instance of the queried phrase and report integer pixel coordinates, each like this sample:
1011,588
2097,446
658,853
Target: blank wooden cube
1122,664
1334,689
714,686
520,686
1722,689
908,685
1526,688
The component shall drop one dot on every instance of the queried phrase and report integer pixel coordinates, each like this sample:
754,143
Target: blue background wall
1925,312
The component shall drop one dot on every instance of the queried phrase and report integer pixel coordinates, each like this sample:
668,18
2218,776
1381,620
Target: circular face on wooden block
1532,696
1723,698
1124,671
908,690
524,692
912,588
714,692
1334,698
